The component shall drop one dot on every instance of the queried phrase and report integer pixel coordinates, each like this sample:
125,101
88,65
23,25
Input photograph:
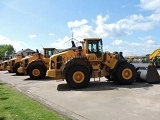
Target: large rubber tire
77,77
157,64
36,72
15,69
125,74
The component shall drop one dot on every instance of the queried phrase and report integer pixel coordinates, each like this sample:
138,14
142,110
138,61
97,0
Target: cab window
95,46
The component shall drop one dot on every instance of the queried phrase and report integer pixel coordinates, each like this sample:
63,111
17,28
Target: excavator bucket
149,74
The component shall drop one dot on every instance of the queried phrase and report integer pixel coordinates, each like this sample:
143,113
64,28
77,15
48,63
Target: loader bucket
149,75
152,75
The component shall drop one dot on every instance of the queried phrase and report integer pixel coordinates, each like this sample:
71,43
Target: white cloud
136,22
150,4
18,45
32,36
51,34
122,27
117,42
146,38
77,23
100,20
65,42
83,32
150,41
135,48
125,26
155,17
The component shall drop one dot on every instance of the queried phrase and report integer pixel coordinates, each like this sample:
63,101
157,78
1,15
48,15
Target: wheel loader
36,65
78,64
4,63
14,63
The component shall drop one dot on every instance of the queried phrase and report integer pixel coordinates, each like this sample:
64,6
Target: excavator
155,57
78,64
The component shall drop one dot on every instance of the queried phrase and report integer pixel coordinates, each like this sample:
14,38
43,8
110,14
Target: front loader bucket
152,75
149,75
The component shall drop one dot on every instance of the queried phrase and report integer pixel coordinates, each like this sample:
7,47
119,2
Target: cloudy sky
130,26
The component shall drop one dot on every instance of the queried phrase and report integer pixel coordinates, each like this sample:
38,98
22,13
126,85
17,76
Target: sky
128,26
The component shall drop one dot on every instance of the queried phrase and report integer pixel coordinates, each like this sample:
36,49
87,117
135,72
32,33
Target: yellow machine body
78,64
37,64
13,61
154,57
3,65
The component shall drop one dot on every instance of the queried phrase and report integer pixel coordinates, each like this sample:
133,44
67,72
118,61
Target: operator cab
94,46
48,52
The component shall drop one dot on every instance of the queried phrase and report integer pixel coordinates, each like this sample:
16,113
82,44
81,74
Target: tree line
6,50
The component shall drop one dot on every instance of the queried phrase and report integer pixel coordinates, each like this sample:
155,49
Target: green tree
6,50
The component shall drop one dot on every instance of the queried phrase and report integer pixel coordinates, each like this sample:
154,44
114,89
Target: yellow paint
127,73
78,77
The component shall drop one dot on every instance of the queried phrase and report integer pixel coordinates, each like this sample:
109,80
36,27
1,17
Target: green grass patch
16,106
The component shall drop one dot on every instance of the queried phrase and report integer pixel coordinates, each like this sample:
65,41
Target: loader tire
36,72
77,77
15,69
125,74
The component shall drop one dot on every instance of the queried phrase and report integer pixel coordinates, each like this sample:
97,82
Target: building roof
25,50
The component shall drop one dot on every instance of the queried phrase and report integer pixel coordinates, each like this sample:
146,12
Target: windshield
49,52
95,46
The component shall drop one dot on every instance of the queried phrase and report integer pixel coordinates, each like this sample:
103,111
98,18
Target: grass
16,106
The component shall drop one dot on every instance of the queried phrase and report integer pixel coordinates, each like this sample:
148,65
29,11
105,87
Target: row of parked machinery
76,64
34,64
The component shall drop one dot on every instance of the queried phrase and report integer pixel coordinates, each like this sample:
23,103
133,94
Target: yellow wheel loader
14,64
36,65
4,63
78,64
